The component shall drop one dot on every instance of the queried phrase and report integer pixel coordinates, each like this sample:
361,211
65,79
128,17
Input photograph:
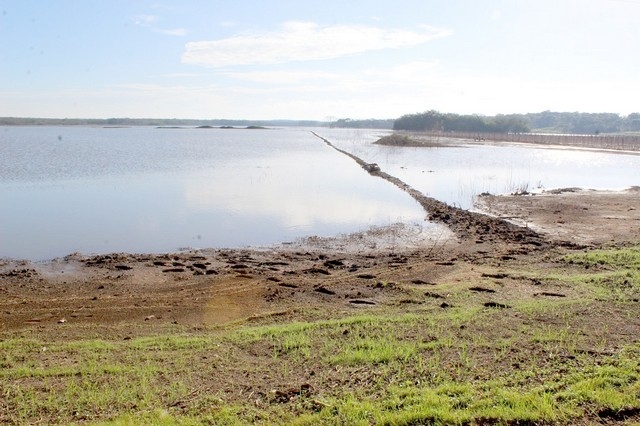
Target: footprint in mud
366,276
550,294
173,270
421,282
123,267
336,263
287,285
362,302
497,276
317,271
239,266
496,305
324,290
482,290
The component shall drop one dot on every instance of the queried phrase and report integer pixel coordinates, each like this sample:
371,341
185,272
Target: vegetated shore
629,143
529,314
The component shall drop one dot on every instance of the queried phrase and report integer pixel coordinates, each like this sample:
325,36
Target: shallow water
142,189
455,174
98,190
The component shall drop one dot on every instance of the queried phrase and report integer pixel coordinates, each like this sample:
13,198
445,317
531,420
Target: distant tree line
547,121
164,122
430,121
583,123
371,123
440,122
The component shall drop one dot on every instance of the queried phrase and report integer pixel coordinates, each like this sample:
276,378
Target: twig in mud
435,244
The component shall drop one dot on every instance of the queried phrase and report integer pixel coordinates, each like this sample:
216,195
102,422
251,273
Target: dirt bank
571,214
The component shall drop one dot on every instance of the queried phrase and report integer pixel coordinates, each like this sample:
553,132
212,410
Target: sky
316,60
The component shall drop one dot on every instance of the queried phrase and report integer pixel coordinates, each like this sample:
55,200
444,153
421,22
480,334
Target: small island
396,139
230,127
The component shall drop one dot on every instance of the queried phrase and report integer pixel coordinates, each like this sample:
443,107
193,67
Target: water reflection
301,192
184,188
456,174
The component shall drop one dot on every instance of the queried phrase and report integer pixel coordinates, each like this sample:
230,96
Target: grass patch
616,272
542,361
628,258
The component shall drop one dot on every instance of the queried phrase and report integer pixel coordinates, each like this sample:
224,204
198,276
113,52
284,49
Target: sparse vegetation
542,360
544,122
397,139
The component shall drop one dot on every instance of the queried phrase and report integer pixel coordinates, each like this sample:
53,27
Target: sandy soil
124,295
571,214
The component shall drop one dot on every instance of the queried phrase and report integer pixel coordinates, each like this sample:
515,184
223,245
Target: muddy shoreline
126,294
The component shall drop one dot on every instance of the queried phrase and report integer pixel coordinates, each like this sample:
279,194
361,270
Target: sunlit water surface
142,189
456,174
99,190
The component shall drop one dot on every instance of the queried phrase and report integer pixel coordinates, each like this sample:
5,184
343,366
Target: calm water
99,190
456,174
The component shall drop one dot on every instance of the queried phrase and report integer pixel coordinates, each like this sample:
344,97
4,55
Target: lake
144,189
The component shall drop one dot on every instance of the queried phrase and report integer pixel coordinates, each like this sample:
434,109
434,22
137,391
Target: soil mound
396,139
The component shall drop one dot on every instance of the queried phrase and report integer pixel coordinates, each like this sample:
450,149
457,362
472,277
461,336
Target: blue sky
316,59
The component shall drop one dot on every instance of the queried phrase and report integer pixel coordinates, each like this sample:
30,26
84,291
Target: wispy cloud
150,22
304,41
145,20
282,77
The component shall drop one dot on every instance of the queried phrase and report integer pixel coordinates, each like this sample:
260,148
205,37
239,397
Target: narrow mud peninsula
464,224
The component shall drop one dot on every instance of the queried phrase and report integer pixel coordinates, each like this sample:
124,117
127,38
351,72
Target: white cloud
150,21
283,77
303,41
145,20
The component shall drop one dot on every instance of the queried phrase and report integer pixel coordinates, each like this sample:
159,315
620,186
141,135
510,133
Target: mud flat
579,215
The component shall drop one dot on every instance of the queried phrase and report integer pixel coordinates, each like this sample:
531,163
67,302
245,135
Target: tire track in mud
465,224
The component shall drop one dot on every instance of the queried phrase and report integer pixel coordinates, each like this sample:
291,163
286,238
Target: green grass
628,258
543,361
616,273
